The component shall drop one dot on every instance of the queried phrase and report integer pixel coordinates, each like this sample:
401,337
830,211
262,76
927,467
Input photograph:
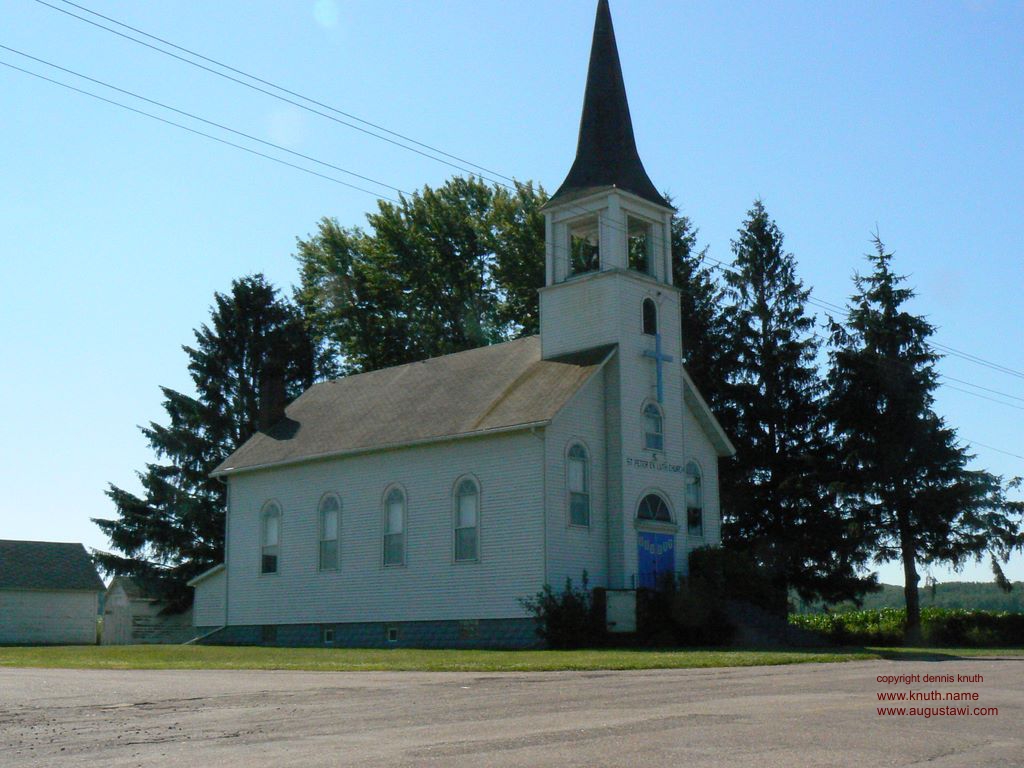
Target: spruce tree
901,469
174,530
774,504
704,330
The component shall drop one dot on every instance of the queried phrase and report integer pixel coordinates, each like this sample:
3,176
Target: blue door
656,557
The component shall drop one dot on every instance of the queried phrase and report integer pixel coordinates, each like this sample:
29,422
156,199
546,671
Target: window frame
648,243
320,534
265,513
686,501
388,491
643,316
456,496
569,492
577,225
653,522
649,404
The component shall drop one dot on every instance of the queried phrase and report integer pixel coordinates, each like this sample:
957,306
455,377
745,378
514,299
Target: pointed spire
606,154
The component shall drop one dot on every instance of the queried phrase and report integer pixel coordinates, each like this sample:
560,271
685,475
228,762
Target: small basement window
392,634
328,635
584,247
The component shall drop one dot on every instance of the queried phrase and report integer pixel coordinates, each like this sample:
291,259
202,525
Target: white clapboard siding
48,616
430,586
209,602
699,448
573,549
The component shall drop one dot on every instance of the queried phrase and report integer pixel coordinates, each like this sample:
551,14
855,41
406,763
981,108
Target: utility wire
272,85
992,448
203,120
822,304
196,132
817,302
267,92
832,306
482,172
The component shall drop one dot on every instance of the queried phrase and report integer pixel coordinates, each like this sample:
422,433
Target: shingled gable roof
493,388
46,565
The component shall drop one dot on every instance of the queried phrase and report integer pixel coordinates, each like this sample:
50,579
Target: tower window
639,245
584,247
654,438
650,313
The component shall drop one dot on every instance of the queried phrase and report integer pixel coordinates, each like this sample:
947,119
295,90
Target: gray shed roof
46,565
493,388
133,588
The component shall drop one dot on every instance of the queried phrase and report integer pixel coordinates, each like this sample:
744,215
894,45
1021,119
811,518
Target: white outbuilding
418,505
134,614
49,594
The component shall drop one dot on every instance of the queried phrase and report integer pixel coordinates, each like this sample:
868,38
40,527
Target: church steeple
606,155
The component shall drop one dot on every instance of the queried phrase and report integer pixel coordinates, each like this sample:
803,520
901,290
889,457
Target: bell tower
608,227
609,282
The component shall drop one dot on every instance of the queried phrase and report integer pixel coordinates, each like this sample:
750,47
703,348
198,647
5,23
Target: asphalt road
793,716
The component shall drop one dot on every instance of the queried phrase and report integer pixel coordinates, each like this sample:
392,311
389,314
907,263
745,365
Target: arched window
467,519
653,507
654,439
394,527
270,537
330,526
579,486
650,317
694,500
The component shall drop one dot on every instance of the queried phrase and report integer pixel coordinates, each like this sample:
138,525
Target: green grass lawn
350,659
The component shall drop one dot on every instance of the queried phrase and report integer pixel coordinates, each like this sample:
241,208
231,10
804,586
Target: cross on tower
659,358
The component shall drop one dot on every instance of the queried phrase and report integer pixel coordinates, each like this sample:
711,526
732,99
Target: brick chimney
272,394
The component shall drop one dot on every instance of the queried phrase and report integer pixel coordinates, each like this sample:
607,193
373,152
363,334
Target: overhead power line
823,304
479,172
193,116
482,171
832,306
194,131
992,448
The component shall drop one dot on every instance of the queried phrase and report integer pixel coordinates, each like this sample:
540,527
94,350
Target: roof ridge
428,359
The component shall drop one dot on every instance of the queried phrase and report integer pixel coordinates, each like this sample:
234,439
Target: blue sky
117,230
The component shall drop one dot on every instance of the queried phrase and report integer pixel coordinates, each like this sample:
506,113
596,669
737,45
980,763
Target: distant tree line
967,595
841,459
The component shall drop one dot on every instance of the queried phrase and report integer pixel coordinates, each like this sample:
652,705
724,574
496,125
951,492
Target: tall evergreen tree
445,270
903,472
773,501
174,530
705,332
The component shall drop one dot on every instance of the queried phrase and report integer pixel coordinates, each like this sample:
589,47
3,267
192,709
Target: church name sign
653,466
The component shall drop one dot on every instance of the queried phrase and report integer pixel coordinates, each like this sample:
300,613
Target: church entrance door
656,557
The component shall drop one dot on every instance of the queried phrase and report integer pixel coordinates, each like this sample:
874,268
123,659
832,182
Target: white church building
417,505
